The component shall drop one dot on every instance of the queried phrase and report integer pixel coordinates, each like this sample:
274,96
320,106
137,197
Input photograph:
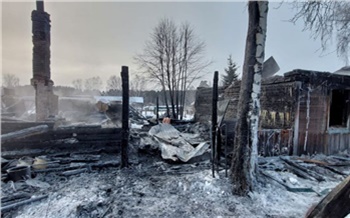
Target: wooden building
302,112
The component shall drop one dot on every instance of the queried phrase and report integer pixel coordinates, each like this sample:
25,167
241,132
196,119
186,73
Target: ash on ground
156,187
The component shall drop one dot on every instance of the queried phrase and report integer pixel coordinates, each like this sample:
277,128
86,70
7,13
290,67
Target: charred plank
335,204
20,134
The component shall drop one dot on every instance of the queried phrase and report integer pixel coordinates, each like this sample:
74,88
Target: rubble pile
74,171
92,184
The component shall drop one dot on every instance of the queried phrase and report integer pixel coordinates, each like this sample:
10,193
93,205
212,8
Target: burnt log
335,204
112,163
15,205
20,134
214,116
74,172
60,169
300,170
79,158
14,197
323,164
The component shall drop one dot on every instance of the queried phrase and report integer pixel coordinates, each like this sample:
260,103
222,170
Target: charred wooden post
125,116
214,120
157,108
218,144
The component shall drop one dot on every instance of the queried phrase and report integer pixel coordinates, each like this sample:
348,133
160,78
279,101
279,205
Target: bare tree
245,155
93,83
138,84
78,84
174,58
327,19
114,83
10,80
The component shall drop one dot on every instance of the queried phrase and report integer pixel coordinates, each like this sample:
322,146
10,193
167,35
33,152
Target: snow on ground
159,189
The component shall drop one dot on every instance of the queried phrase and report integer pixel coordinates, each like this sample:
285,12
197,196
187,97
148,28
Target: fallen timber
66,138
322,164
335,204
20,134
291,189
21,203
302,171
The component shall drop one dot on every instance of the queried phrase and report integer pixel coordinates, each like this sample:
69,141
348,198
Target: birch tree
137,85
326,19
245,155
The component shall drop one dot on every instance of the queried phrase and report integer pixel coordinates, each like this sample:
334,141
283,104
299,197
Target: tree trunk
243,169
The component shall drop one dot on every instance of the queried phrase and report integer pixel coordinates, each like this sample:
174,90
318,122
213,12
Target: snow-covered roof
343,71
107,99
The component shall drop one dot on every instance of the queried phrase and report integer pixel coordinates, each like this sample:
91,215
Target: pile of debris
151,186
74,171
173,144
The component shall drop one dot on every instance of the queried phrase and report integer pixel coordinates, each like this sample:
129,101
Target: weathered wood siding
314,134
277,105
274,142
312,119
298,103
203,104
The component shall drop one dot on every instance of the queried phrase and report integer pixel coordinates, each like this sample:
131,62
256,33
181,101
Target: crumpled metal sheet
173,145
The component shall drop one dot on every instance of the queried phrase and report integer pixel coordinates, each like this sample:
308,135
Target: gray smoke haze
95,39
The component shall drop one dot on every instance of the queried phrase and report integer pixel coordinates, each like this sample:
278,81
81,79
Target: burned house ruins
97,156
302,112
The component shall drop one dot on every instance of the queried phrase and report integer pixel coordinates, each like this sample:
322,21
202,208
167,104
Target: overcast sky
96,39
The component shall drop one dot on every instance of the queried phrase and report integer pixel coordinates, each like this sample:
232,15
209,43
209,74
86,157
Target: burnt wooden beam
336,204
322,164
20,134
15,205
15,197
125,116
74,172
59,145
299,172
11,126
214,120
33,150
157,108
60,169
291,189
71,170
302,171
79,158
102,134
